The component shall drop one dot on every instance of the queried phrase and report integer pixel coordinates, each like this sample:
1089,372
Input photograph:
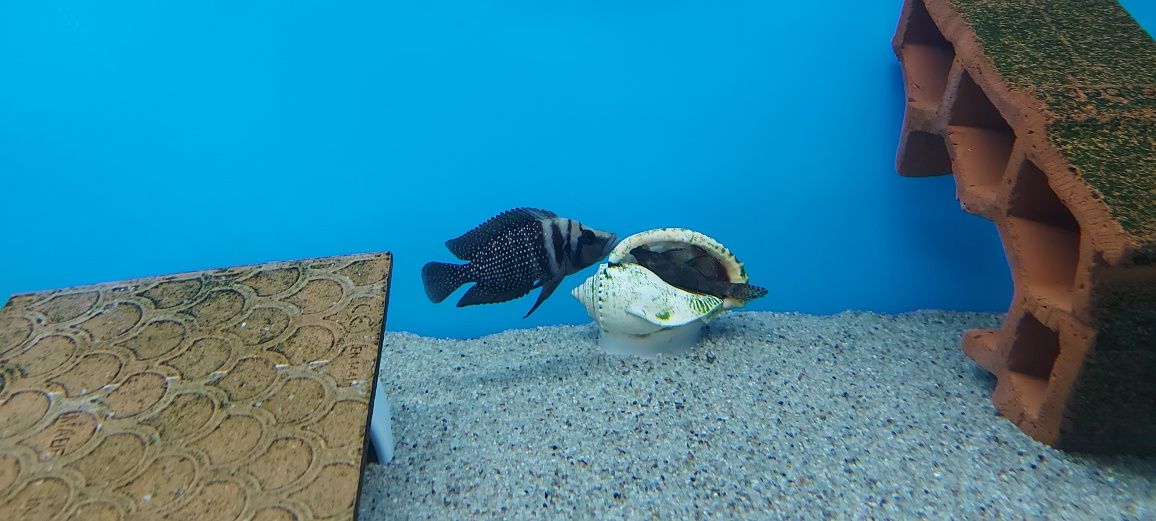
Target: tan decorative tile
240,393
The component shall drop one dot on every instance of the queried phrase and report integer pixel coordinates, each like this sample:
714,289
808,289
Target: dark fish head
593,246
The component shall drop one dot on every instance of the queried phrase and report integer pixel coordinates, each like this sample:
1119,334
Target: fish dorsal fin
468,245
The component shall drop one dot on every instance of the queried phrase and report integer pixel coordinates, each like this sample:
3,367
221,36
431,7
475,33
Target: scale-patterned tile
240,393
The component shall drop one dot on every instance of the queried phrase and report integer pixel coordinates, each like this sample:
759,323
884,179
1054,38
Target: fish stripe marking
557,244
514,252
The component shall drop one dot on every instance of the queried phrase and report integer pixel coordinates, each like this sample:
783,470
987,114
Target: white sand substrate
771,416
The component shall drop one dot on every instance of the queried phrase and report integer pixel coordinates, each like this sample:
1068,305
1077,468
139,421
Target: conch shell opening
639,312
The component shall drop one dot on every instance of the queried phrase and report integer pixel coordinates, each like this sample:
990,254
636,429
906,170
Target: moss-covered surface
1118,159
1094,69
1125,313
1114,400
1106,416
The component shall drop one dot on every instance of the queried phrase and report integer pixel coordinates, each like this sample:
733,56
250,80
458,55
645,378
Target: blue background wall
140,139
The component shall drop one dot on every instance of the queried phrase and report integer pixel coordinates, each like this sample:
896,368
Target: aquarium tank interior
144,139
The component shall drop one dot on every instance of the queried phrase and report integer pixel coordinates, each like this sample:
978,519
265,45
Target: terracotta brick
1045,113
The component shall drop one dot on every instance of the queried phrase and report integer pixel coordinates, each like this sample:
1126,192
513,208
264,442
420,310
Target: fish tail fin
442,279
747,291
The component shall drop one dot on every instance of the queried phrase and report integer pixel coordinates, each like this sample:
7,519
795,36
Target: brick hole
1046,238
924,154
980,138
1031,358
1035,348
926,57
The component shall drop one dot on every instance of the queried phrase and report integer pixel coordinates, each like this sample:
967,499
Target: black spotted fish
513,253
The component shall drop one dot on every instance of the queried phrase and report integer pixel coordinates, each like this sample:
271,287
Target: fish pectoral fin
548,287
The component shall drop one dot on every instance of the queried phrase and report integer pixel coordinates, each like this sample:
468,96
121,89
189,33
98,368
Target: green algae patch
1093,69
1116,157
1112,400
1047,43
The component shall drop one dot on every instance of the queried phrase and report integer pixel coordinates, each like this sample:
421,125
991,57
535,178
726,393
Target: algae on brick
1093,69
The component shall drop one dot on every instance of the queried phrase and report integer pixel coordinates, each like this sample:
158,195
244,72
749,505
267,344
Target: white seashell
630,304
640,313
630,299
664,239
